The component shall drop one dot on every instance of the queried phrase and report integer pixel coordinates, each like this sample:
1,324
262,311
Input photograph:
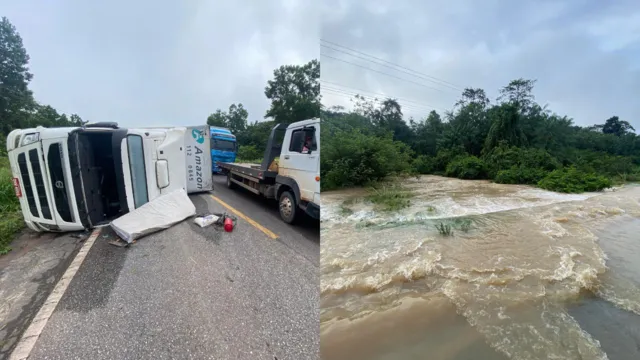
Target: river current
526,274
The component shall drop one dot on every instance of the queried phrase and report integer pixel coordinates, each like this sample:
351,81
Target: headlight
29,139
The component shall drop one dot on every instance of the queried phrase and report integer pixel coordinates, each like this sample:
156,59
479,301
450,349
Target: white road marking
29,338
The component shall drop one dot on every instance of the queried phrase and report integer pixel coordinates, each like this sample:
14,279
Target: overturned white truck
76,178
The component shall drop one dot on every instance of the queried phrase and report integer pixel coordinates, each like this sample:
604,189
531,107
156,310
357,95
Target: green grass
390,197
444,229
249,161
11,220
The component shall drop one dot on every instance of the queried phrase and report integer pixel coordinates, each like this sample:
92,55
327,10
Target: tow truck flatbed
294,179
248,169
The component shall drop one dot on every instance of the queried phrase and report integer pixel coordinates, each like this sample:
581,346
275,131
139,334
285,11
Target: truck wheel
288,207
230,184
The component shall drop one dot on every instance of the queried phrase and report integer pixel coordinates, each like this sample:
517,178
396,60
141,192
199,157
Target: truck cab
299,163
75,178
294,179
224,147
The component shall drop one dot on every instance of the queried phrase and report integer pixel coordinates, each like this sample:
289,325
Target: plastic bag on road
204,221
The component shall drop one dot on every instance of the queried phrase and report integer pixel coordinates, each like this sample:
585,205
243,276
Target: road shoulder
28,274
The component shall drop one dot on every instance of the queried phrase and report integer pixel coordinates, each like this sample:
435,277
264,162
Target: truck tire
288,207
230,184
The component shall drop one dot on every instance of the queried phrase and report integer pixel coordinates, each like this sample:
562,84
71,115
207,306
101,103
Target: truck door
298,162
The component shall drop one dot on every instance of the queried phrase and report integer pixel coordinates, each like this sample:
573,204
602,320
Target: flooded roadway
527,274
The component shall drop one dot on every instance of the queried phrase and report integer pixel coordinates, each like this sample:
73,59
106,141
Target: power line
372,98
381,94
380,72
416,107
343,94
414,113
391,63
395,67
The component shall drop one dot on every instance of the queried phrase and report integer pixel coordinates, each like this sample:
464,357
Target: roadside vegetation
512,140
10,215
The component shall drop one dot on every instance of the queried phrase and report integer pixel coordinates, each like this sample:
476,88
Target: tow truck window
138,173
298,138
224,145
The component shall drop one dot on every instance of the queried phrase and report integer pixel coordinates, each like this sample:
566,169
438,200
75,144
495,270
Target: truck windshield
224,145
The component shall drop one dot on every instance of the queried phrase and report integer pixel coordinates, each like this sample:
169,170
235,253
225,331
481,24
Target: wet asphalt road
194,293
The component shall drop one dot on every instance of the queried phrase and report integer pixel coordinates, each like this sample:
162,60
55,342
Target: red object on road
228,224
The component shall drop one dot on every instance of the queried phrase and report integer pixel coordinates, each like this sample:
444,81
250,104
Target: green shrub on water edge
572,180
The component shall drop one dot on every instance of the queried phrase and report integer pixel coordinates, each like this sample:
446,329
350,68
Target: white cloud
487,44
139,63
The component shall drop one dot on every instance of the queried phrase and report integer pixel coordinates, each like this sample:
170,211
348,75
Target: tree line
294,92
512,140
18,108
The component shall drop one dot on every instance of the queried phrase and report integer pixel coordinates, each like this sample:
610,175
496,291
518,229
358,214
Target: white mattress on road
158,214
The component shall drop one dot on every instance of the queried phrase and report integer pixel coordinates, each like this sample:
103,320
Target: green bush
602,163
249,152
468,167
351,158
424,164
445,156
520,175
507,157
11,220
572,180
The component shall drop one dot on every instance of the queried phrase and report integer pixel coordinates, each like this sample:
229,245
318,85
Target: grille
26,182
37,177
60,195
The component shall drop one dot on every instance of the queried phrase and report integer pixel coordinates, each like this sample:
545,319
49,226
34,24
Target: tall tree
427,133
237,118
16,100
615,126
519,93
294,93
218,118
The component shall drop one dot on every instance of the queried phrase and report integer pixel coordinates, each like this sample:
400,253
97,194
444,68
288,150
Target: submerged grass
11,220
390,197
444,229
463,224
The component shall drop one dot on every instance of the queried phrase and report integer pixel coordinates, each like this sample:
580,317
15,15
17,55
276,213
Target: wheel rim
286,207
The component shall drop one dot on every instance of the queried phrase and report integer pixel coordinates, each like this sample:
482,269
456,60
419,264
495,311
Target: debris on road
161,213
119,243
204,221
224,220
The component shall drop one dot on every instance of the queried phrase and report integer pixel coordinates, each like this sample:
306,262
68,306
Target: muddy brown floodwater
526,274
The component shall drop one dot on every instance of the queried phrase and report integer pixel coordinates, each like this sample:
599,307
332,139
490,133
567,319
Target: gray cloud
584,54
142,64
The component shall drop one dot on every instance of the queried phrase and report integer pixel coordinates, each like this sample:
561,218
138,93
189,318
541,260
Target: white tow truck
76,178
294,180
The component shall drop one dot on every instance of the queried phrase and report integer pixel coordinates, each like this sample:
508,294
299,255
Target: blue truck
224,147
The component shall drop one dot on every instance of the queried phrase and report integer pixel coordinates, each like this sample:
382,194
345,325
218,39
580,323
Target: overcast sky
142,63
584,54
